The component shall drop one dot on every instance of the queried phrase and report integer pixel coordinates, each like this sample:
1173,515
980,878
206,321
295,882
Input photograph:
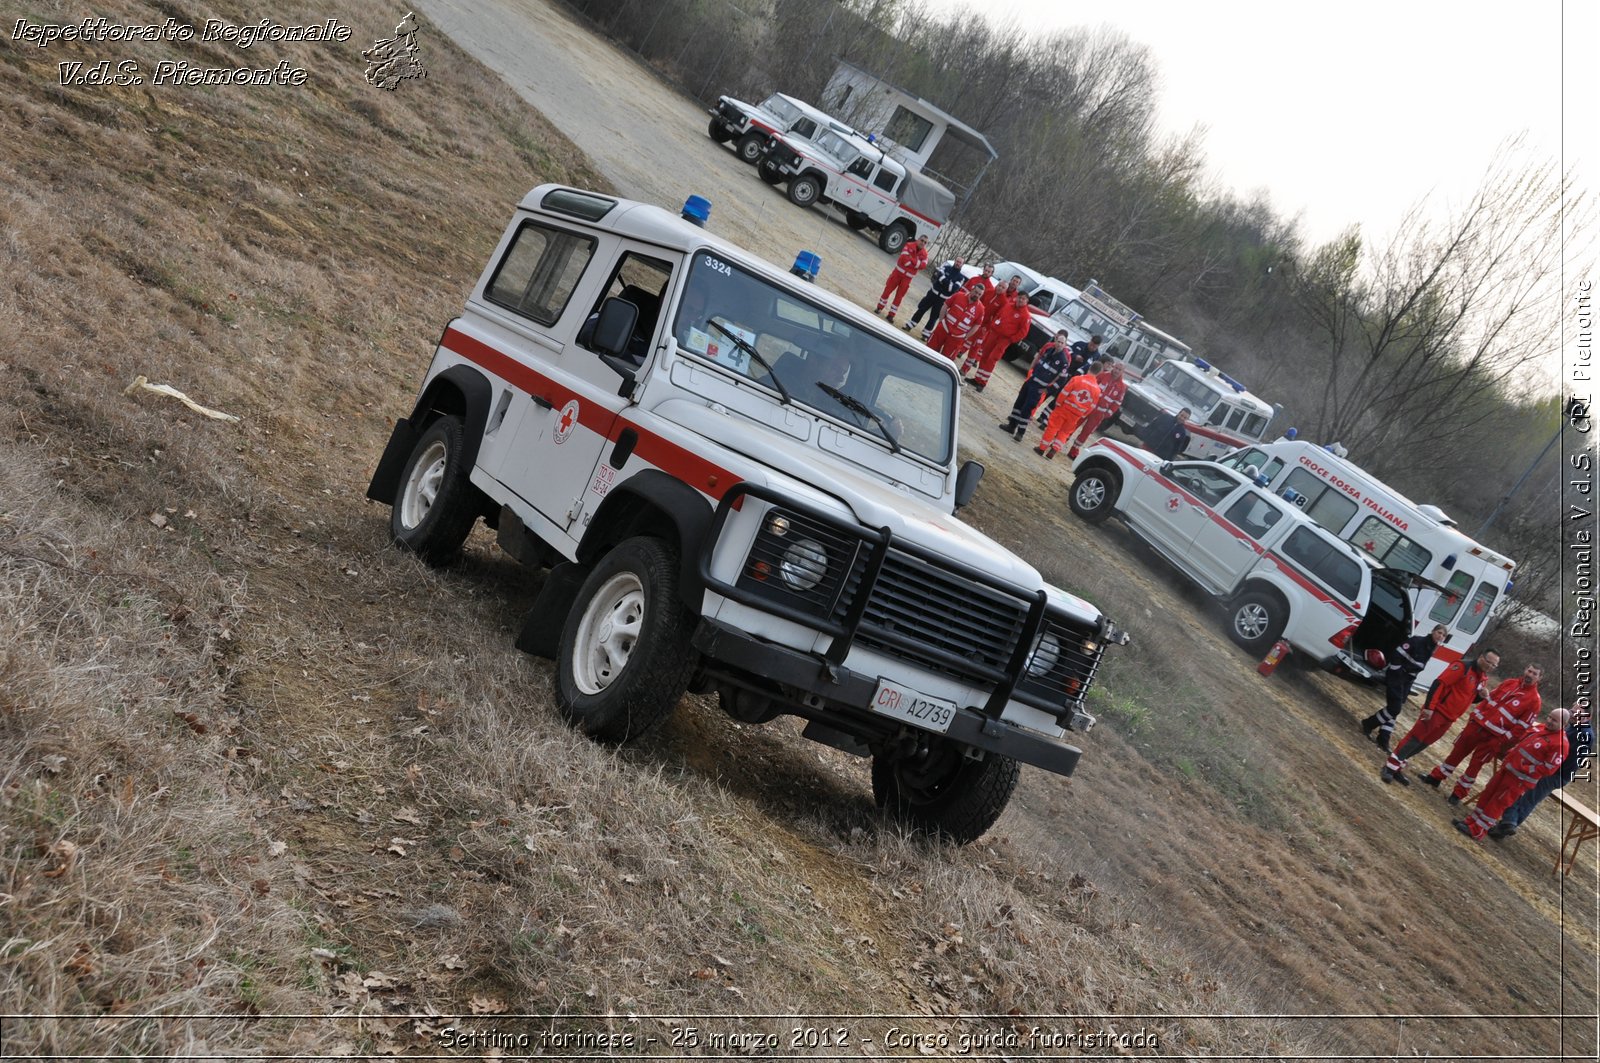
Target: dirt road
1243,816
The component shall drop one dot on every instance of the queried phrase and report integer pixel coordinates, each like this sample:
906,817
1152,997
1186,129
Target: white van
1464,579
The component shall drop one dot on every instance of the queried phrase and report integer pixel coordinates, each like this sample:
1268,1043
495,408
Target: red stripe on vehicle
663,453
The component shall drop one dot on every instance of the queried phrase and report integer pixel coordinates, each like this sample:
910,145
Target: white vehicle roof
1224,385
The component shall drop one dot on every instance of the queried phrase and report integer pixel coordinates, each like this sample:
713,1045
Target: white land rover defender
750,125
744,485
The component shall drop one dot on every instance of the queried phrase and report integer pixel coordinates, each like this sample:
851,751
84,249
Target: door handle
543,403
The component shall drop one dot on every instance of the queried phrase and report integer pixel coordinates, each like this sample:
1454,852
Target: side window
1320,558
806,128
1386,543
539,271
1206,482
862,167
1478,608
1323,502
1449,604
1253,515
642,281
1254,425
1235,419
886,180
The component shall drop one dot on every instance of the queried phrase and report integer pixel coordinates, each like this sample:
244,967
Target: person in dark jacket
1085,356
1406,662
947,280
1580,744
1166,436
1049,369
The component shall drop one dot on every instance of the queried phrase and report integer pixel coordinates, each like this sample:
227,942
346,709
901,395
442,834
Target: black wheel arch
461,391
1107,467
654,503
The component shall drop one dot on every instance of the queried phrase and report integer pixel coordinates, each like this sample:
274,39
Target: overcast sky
1352,111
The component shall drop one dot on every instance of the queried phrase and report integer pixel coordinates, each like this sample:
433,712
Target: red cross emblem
1370,547
566,422
1173,503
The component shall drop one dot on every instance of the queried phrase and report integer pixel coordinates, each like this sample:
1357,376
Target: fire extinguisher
1274,657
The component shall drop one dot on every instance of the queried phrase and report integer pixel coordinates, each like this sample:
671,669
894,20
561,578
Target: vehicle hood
836,484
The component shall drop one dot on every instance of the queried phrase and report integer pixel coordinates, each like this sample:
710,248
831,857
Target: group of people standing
972,321
1503,725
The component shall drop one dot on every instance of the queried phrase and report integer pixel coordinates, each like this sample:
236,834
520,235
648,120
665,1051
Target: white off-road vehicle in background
1224,415
874,190
1279,573
750,125
745,485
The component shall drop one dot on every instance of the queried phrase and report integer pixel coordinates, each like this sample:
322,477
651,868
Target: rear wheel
941,791
719,132
894,237
804,190
436,506
750,146
1093,495
625,657
1256,620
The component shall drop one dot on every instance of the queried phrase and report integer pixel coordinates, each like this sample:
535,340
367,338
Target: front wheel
804,190
719,132
894,237
1093,495
941,791
1256,620
436,506
750,147
625,657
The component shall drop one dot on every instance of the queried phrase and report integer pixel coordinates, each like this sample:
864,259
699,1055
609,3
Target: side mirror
1166,468
614,327
967,481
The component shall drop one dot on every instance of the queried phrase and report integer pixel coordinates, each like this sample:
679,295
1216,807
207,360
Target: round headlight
1046,652
804,564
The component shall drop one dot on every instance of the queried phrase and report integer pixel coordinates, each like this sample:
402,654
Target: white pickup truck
742,485
1280,574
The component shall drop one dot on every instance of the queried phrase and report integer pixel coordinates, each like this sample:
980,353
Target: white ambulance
1459,579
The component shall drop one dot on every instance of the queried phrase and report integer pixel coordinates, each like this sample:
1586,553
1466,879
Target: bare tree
1422,335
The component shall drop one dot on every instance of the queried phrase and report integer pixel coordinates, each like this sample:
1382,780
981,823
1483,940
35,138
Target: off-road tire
1256,620
435,504
856,220
750,147
949,796
1093,495
805,190
610,685
894,237
718,132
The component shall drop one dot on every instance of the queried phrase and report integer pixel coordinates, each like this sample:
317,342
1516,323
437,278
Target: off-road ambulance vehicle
1459,579
750,125
745,485
1223,414
874,190
1279,573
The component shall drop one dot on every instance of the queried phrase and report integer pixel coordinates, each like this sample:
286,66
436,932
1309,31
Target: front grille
1138,409
938,619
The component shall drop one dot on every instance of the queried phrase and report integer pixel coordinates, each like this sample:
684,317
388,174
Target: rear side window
1449,604
1386,543
1323,502
1319,558
539,271
885,180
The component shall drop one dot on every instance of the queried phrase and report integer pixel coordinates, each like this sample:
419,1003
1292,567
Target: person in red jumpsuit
959,322
1075,402
912,261
1457,687
1113,390
1494,727
985,282
1007,323
1003,294
1537,754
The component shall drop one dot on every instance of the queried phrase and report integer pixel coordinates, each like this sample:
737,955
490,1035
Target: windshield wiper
755,356
855,405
